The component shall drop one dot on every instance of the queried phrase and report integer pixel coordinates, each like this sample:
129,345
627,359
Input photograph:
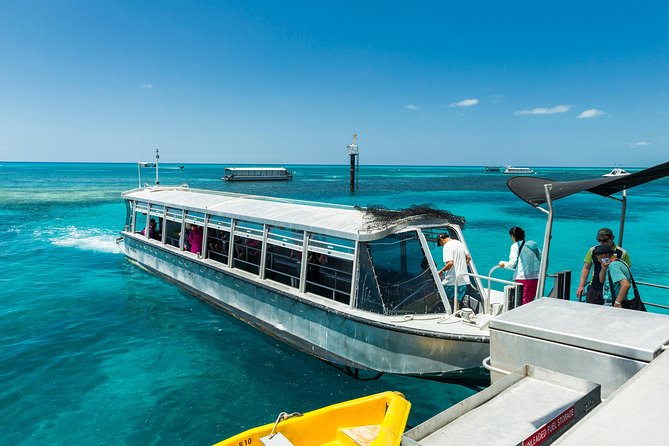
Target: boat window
173,226
395,277
285,237
141,210
332,246
157,210
329,276
247,248
284,255
128,214
196,218
437,252
218,222
218,242
247,229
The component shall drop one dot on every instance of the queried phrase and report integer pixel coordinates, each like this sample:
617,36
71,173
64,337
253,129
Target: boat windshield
395,277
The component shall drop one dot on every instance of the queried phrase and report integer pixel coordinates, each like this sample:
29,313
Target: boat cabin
257,174
338,253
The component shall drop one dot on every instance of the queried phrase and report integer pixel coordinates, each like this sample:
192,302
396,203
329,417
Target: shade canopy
532,190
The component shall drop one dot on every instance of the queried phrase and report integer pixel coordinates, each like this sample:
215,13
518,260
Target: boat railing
654,285
340,281
487,292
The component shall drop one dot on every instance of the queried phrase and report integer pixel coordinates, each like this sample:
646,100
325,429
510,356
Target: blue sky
444,83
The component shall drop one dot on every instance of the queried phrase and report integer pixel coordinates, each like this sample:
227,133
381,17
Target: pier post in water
157,157
353,155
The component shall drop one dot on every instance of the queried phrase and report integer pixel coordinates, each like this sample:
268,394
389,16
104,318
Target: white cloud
411,107
639,144
544,110
591,113
147,86
465,103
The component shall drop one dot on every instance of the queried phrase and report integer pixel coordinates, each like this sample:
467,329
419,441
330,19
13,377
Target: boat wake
84,239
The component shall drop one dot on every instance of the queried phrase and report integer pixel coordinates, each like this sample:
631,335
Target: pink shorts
529,289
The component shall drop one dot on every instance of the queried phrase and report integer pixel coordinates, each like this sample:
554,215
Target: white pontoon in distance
257,174
510,170
329,280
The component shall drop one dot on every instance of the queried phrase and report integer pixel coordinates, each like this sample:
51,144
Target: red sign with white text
549,429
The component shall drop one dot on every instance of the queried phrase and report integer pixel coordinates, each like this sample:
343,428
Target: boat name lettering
551,428
246,442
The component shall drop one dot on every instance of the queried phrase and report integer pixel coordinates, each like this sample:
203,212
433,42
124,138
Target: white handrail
486,296
486,365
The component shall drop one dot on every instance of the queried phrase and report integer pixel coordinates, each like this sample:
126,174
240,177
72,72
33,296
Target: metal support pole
547,243
622,218
157,157
352,173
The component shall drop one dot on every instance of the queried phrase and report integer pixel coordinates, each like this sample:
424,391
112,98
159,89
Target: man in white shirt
456,259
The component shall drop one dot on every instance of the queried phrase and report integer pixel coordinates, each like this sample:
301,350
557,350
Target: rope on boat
282,417
440,319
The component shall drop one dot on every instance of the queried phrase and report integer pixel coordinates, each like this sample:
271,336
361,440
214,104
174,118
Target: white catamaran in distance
341,283
510,170
616,172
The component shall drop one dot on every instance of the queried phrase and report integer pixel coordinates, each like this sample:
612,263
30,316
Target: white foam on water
85,239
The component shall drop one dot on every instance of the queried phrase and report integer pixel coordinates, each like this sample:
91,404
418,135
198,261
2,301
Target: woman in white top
524,259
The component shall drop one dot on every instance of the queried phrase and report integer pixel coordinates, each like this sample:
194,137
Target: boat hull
376,420
320,330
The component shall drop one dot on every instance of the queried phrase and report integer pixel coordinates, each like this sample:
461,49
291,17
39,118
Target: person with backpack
525,261
614,274
595,289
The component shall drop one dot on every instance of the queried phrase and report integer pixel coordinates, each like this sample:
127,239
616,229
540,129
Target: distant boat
492,168
181,167
257,174
518,171
617,172
373,421
146,164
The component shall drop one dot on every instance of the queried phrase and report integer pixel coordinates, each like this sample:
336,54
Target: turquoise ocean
94,350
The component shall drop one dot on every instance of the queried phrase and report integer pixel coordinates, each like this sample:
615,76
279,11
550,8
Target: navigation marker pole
353,153
157,157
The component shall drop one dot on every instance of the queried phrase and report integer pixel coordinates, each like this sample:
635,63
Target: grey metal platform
529,404
600,344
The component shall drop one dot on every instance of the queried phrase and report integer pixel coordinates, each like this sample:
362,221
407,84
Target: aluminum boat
333,281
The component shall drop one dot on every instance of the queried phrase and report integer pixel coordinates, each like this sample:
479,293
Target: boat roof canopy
335,220
531,189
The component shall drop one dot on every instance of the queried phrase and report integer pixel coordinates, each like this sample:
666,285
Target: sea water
95,350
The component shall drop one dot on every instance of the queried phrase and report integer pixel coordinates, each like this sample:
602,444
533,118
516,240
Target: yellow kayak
376,420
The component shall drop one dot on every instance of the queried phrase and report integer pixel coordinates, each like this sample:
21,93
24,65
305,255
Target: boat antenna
139,175
157,157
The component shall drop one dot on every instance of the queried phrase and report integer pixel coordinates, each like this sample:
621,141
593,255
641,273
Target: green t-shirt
625,258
